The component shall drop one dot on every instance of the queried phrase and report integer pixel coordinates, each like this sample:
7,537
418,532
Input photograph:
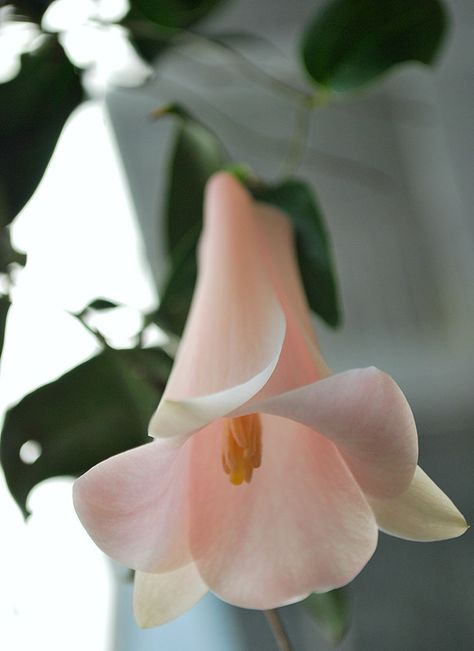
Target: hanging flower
268,477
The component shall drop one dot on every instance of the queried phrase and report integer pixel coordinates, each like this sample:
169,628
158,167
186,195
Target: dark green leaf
8,254
174,13
98,409
178,289
146,37
196,155
101,304
4,307
33,108
331,611
33,9
297,200
352,42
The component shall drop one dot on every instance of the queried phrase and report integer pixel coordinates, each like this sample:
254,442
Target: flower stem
279,633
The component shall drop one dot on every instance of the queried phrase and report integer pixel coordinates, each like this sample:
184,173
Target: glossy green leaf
297,200
98,409
196,155
174,13
351,43
331,611
33,108
4,307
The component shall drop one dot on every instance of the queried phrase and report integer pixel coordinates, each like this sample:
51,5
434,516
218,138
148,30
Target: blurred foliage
151,24
8,257
33,108
178,288
195,156
94,411
4,307
101,304
32,9
350,43
174,13
8,254
297,200
331,611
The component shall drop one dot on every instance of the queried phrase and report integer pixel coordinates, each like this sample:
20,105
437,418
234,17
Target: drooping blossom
268,477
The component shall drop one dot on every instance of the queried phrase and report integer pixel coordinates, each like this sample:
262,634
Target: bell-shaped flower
268,477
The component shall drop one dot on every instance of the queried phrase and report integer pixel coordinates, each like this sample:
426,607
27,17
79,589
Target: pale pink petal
366,414
300,361
278,236
159,598
301,525
422,512
235,331
134,506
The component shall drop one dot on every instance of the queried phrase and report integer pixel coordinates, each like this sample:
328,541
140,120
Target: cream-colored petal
159,598
422,513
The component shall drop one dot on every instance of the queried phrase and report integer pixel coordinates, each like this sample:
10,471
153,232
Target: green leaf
178,288
146,37
174,13
9,255
98,409
351,43
297,200
196,155
33,9
4,307
33,108
331,611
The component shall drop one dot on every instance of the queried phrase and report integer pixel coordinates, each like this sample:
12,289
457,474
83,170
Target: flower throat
241,447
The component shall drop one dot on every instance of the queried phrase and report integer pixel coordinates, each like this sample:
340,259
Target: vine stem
279,633
299,141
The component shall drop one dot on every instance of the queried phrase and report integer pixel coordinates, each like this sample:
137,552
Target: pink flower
268,477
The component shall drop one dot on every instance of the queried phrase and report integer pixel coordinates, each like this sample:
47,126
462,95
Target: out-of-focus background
393,171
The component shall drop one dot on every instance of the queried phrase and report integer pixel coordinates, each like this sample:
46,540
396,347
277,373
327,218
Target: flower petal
278,235
366,415
134,506
301,525
300,361
159,598
235,331
422,512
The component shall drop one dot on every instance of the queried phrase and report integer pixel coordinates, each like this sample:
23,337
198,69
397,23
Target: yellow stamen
241,447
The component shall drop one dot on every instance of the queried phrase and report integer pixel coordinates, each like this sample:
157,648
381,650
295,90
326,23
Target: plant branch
279,633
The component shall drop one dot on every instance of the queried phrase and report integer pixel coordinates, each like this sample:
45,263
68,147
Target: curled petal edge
366,415
181,418
160,598
422,513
